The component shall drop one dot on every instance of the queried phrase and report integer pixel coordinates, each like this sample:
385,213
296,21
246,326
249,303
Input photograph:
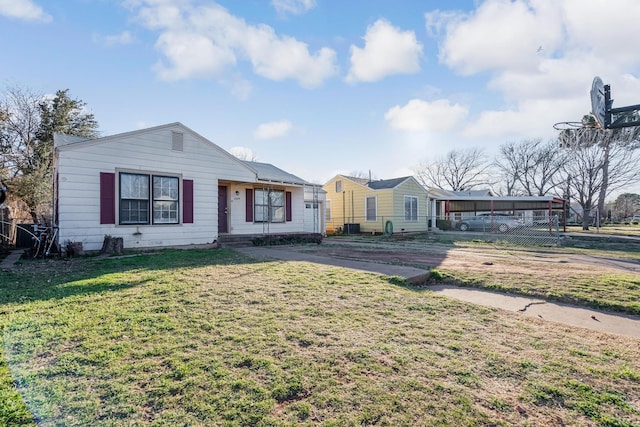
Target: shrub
443,224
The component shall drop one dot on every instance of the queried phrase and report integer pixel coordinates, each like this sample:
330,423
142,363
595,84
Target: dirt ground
543,262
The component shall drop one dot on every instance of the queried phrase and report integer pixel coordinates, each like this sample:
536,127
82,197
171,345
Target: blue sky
320,87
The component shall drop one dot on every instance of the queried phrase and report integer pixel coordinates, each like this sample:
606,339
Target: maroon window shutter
187,201
287,202
107,198
249,209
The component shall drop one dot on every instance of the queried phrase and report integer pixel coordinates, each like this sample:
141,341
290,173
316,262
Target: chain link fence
525,230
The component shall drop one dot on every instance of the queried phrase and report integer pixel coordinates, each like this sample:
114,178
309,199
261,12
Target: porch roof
267,172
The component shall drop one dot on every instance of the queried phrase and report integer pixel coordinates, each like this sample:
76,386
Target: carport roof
490,204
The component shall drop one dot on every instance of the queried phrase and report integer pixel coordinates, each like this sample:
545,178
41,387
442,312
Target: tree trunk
586,217
605,183
112,245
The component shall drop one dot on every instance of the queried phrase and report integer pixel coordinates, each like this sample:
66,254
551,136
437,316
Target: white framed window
339,186
410,208
165,200
328,210
145,198
269,205
371,208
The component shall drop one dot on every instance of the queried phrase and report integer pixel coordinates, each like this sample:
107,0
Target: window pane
165,212
134,198
165,188
165,199
410,208
277,214
134,186
277,198
261,197
260,205
260,214
269,206
371,208
134,212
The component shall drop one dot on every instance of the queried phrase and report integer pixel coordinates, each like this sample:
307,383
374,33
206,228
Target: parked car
488,222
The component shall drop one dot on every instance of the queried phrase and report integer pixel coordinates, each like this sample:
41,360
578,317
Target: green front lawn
207,337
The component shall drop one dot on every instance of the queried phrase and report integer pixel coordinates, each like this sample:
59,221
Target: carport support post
492,216
434,214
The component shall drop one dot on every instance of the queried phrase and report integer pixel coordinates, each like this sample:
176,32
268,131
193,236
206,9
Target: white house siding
79,166
314,218
237,211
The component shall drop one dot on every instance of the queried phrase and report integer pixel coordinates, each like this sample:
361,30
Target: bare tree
362,175
508,169
626,205
458,170
599,162
530,167
620,166
618,155
244,153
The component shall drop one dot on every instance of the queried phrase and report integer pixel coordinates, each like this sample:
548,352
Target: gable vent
177,141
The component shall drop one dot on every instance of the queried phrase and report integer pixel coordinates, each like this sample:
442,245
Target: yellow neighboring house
357,205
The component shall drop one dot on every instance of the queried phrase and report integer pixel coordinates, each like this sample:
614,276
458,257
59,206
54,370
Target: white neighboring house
169,186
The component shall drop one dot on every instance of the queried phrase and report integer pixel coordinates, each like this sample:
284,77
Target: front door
222,209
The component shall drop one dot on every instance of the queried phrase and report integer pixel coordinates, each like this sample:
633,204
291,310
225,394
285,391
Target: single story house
358,205
169,186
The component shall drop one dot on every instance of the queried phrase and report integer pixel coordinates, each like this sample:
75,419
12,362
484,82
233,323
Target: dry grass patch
606,278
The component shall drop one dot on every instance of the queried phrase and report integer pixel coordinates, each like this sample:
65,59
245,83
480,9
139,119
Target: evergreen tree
27,124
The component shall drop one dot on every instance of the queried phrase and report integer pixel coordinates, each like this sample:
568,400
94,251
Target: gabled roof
360,181
64,139
269,173
387,183
70,142
264,172
380,184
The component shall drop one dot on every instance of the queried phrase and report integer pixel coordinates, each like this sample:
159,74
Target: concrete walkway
9,261
555,312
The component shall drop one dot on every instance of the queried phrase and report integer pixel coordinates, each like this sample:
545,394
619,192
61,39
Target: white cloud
531,118
273,129
280,58
543,69
387,50
206,41
123,38
191,55
419,115
295,7
605,28
479,41
23,9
